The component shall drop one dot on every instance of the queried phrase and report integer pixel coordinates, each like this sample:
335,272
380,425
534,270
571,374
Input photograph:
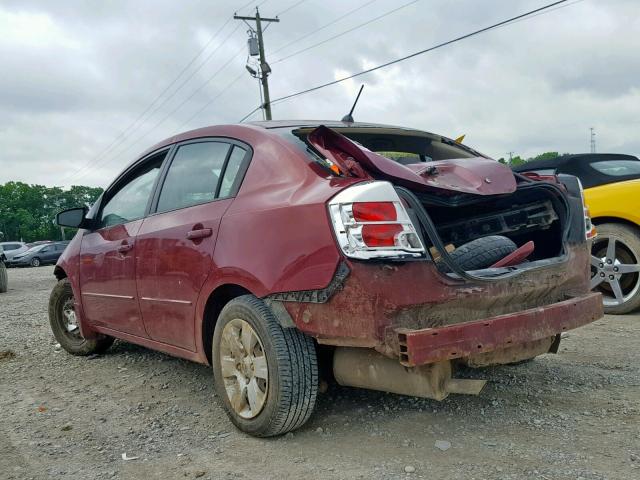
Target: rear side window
193,176
233,173
129,201
618,168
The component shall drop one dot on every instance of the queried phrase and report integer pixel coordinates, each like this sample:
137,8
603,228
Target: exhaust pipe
366,368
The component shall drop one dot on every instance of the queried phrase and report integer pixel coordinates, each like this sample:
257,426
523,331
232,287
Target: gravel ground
134,413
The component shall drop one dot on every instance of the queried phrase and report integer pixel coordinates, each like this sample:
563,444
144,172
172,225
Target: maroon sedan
392,254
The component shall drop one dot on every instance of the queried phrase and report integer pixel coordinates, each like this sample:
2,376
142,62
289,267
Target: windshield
37,248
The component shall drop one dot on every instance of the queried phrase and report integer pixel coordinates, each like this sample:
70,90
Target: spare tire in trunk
483,252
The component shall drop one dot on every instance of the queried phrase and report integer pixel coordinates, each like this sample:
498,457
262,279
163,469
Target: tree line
518,160
27,212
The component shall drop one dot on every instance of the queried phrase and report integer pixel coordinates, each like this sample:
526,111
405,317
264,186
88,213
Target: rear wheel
615,267
265,375
4,280
64,323
35,262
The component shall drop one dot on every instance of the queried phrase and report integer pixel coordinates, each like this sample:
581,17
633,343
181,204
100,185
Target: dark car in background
47,253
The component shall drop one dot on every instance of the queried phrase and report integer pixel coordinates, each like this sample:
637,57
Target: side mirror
74,217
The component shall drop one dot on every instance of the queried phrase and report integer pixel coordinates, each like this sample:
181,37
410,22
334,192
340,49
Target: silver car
11,249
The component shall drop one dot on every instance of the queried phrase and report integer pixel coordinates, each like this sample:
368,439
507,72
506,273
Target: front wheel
64,323
615,267
35,262
265,375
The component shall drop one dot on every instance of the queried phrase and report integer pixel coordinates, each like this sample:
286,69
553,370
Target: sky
86,86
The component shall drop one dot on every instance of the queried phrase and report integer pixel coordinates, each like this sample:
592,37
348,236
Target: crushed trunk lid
478,175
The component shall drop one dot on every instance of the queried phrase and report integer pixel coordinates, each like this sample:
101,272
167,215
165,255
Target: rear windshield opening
403,146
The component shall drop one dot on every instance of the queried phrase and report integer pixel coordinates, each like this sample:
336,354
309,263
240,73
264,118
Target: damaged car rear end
271,250
404,306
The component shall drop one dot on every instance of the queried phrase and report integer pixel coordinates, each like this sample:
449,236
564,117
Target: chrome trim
91,294
167,300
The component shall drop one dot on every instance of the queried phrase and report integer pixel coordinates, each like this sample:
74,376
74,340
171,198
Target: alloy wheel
69,319
615,270
244,368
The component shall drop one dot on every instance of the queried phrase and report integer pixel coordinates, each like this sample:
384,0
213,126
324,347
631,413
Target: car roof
580,166
564,160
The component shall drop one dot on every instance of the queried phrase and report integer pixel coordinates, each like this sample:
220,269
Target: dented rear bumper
429,345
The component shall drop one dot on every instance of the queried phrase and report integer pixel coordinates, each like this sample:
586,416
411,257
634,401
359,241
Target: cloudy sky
85,86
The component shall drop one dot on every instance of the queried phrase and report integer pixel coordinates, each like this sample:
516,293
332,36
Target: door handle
124,248
199,233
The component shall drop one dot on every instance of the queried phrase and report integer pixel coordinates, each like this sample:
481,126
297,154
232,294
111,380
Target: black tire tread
483,252
85,347
298,370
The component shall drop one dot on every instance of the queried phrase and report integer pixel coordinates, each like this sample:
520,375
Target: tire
483,252
625,296
4,279
35,262
287,396
71,341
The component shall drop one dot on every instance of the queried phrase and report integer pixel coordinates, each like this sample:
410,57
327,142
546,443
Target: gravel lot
566,416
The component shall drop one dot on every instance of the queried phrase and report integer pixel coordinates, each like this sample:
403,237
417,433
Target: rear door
175,244
107,257
48,254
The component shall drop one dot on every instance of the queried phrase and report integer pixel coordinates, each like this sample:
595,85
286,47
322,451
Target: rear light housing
371,222
589,229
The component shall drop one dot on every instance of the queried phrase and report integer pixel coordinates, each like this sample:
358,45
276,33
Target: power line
308,34
420,52
298,52
163,119
206,105
166,99
121,137
290,7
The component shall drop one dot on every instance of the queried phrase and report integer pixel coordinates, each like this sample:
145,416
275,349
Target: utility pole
510,157
265,69
593,140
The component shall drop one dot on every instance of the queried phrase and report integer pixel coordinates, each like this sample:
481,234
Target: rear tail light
589,229
370,221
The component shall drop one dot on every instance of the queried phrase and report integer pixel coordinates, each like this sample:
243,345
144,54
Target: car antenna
348,118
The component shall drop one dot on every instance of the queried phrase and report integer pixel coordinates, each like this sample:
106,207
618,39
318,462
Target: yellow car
612,193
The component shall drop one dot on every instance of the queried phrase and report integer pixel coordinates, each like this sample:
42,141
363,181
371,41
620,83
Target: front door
176,243
107,256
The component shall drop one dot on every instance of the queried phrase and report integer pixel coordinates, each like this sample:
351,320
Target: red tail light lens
374,212
380,235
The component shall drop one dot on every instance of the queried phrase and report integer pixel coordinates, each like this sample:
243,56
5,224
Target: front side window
193,176
129,202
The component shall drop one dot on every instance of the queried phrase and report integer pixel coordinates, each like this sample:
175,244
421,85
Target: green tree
27,212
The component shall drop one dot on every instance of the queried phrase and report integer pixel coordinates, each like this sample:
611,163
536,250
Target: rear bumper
429,345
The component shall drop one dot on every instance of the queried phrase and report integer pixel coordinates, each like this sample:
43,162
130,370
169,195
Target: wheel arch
619,220
59,273
216,301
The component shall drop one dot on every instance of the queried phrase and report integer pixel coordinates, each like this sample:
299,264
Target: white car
11,249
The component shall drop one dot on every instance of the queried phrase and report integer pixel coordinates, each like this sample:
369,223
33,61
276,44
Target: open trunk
456,201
